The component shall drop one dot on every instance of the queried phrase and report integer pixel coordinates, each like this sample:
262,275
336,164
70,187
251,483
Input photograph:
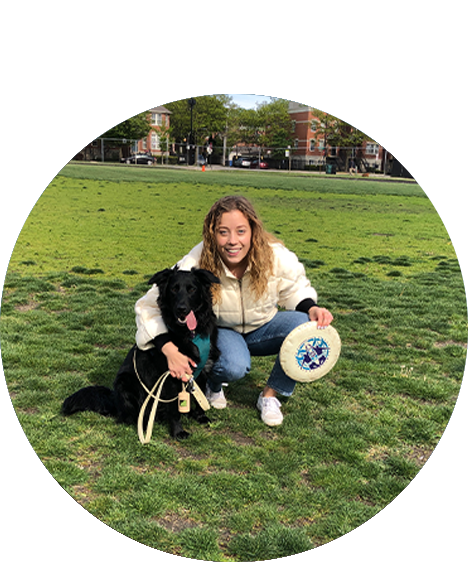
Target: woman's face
233,238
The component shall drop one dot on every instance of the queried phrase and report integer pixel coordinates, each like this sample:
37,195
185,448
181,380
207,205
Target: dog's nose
182,311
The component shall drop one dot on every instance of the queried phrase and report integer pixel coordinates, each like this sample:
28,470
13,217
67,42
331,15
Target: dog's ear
160,278
205,276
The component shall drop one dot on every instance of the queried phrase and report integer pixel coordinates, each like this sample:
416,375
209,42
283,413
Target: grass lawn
381,261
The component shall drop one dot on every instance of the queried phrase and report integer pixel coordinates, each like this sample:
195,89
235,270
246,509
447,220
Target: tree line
217,119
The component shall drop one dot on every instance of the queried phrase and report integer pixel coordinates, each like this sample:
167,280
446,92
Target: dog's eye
191,290
174,289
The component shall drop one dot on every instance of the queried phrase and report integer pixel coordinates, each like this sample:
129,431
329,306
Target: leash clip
190,385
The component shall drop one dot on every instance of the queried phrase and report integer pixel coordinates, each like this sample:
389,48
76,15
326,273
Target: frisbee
308,353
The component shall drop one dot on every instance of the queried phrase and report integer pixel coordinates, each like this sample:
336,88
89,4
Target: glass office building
30,137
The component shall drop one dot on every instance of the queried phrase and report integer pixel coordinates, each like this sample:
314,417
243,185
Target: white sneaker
270,410
216,400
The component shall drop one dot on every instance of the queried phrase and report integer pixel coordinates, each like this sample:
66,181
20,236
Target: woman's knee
232,367
234,361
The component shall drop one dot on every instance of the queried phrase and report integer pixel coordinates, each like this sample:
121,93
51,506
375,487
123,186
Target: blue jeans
236,350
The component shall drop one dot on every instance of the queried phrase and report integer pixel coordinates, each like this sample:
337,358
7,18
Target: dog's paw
203,419
182,435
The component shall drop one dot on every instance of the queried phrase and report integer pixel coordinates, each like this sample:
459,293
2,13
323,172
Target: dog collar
203,343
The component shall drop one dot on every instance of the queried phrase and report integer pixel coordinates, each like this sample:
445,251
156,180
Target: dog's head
185,298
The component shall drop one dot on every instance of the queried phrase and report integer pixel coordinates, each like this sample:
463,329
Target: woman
258,275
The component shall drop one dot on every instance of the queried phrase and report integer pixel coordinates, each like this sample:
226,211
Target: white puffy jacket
239,308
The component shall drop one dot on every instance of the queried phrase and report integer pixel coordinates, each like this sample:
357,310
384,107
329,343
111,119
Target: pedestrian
352,166
258,275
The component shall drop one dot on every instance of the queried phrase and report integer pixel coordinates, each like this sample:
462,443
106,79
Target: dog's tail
96,398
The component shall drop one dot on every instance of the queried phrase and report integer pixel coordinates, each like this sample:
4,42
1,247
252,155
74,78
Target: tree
339,134
164,140
275,124
247,126
134,128
269,125
209,118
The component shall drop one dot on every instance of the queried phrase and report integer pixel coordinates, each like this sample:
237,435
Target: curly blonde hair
260,255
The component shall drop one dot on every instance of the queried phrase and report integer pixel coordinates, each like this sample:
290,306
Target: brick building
310,148
154,143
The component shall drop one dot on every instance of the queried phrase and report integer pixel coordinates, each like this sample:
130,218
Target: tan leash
183,398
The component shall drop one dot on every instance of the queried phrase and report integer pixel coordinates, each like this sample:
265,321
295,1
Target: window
156,119
144,144
312,145
313,126
293,125
372,148
155,141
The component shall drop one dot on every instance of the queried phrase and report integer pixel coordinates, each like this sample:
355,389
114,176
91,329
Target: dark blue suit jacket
426,522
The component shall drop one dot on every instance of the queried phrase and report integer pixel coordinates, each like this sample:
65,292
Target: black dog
185,303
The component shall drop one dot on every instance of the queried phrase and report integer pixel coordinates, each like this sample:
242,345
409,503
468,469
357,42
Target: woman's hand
179,365
322,316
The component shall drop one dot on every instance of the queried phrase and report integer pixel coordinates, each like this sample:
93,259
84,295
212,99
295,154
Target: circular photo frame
368,239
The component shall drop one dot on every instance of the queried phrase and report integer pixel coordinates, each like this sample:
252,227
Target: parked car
241,162
256,163
139,158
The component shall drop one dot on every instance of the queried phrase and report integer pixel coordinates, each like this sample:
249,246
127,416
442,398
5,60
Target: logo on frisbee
312,354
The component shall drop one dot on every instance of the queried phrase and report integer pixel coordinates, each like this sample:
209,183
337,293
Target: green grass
382,262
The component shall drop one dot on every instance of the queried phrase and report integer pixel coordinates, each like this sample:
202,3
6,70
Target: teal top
204,345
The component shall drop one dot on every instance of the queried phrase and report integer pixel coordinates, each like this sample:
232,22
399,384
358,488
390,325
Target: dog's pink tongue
191,321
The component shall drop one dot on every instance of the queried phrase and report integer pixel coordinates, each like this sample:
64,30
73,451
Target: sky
249,101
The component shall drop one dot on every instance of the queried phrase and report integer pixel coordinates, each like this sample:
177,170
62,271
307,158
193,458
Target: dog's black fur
180,292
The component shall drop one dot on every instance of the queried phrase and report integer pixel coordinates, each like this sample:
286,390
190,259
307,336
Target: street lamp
191,103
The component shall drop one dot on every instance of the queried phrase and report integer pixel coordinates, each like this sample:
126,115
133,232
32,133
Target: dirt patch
450,343
365,501
185,452
25,307
30,410
377,453
240,439
83,495
176,522
419,455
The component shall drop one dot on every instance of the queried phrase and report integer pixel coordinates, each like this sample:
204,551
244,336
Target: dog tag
184,399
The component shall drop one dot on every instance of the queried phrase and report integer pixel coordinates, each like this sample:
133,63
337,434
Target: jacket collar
229,274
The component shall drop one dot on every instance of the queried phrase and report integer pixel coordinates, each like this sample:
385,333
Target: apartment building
311,150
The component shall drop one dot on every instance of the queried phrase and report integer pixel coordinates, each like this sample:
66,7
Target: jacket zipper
241,305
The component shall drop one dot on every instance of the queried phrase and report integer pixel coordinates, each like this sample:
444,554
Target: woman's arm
293,284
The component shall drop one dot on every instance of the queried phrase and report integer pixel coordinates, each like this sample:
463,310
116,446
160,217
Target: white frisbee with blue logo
308,353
